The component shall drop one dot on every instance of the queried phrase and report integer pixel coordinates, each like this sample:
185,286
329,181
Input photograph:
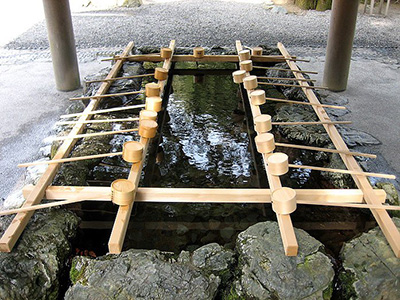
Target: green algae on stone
141,274
266,273
32,269
392,196
370,268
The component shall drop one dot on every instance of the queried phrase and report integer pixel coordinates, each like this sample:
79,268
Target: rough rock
338,180
151,274
266,273
392,196
353,137
371,270
307,135
32,270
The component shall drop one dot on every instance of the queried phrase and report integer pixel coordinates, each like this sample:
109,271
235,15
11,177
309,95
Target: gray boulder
370,268
32,269
151,274
307,135
392,196
266,273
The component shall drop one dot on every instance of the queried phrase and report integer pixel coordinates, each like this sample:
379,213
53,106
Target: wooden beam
324,150
107,95
205,58
285,79
383,219
305,103
288,236
293,85
70,159
98,121
351,172
14,230
311,123
118,232
121,222
86,135
210,195
284,70
102,111
120,78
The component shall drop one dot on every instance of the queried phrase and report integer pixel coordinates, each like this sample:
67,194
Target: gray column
340,43
62,44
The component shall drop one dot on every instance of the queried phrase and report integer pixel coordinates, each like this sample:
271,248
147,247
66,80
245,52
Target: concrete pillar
62,44
340,43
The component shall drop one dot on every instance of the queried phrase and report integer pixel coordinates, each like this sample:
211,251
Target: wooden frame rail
118,232
205,58
383,219
289,240
206,195
17,226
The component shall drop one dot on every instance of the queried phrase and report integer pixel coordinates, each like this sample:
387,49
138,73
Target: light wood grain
103,111
351,172
294,85
98,121
389,229
325,150
70,159
311,123
285,70
288,236
208,195
305,103
107,95
86,135
118,232
285,79
14,230
119,78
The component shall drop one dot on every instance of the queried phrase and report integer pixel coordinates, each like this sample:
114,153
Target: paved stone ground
30,104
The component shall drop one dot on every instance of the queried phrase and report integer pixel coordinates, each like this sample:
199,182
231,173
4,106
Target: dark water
205,143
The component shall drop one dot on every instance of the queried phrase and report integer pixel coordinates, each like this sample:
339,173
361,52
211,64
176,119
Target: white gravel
210,23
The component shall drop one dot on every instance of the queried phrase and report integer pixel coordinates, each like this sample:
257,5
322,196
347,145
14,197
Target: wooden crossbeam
80,198
102,111
118,232
207,195
206,58
17,226
120,78
86,135
288,236
285,70
98,121
383,219
107,95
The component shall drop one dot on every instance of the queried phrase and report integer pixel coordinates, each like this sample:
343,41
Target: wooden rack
363,197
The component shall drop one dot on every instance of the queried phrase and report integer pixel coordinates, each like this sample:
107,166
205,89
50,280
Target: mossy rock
151,274
370,268
323,5
306,4
266,273
33,268
392,196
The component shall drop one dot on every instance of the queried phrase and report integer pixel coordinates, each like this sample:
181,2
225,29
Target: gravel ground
209,23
